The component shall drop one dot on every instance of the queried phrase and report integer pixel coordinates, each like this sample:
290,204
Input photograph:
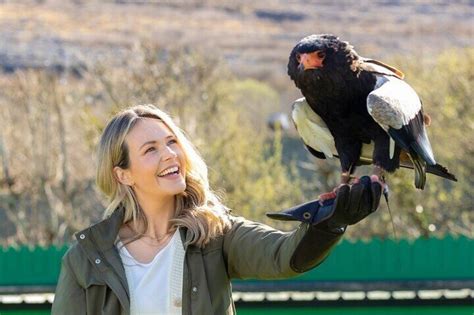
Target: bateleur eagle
359,110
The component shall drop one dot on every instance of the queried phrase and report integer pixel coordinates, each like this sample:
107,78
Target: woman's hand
354,202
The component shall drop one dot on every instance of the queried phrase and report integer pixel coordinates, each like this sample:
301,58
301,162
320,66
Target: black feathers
337,82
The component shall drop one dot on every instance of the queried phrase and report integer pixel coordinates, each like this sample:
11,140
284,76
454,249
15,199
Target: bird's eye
321,54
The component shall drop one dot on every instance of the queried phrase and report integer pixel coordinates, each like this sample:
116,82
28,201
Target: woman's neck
158,213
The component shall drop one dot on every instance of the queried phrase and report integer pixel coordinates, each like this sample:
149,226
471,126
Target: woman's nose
169,153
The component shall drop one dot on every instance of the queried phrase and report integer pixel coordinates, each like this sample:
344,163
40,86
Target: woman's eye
149,149
172,141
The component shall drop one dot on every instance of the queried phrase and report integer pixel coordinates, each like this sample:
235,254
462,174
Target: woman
167,245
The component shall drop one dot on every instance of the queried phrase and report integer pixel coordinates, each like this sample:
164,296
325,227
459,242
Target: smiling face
157,167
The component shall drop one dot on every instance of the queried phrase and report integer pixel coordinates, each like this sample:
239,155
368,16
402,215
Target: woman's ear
123,176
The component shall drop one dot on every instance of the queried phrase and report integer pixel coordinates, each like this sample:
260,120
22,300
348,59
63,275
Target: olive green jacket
93,281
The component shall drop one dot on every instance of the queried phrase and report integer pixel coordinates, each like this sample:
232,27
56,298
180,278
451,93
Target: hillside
253,37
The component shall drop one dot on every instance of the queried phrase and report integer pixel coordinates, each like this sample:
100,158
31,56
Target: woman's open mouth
171,172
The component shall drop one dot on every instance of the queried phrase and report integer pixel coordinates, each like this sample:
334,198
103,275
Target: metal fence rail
422,277
446,263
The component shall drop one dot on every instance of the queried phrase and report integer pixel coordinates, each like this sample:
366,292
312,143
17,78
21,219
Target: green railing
432,263
26,266
377,260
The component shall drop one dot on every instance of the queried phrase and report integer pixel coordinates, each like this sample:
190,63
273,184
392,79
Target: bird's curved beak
313,60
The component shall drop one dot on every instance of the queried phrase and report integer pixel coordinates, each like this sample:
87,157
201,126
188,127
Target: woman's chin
179,188
172,183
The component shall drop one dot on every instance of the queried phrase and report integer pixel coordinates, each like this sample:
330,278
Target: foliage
224,118
46,180
445,85
52,123
447,90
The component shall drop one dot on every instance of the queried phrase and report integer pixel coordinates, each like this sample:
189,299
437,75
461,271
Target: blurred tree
51,126
446,88
224,116
47,180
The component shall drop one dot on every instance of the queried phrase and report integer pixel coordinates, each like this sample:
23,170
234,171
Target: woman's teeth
168,171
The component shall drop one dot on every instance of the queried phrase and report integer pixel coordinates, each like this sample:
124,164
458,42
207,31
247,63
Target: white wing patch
312,129
393,103
392,148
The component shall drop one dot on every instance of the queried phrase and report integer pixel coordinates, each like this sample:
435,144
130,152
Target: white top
155,287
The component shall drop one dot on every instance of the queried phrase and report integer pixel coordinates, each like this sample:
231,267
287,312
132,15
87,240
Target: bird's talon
375,178
355,180
327,196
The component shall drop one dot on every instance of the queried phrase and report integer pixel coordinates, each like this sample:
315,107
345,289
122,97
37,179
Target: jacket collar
98,243
105,232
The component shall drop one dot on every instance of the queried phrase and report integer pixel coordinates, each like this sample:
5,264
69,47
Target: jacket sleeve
69,297
255,250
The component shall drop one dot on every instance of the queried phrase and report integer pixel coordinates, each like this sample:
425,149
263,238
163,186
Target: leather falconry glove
354,203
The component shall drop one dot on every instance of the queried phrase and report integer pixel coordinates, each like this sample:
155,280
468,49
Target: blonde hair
197,208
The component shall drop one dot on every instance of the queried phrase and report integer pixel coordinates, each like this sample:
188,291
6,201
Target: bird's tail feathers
423,149
420,171
441,171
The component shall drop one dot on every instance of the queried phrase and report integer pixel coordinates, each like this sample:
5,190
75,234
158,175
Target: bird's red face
312,60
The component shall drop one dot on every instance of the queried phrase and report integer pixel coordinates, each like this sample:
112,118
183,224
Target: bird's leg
378,175
345,180
378,171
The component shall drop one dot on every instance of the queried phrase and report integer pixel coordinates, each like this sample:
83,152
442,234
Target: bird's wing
316,135
375,66
396,107
312,129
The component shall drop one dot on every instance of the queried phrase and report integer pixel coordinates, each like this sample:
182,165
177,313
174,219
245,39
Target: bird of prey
359,110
